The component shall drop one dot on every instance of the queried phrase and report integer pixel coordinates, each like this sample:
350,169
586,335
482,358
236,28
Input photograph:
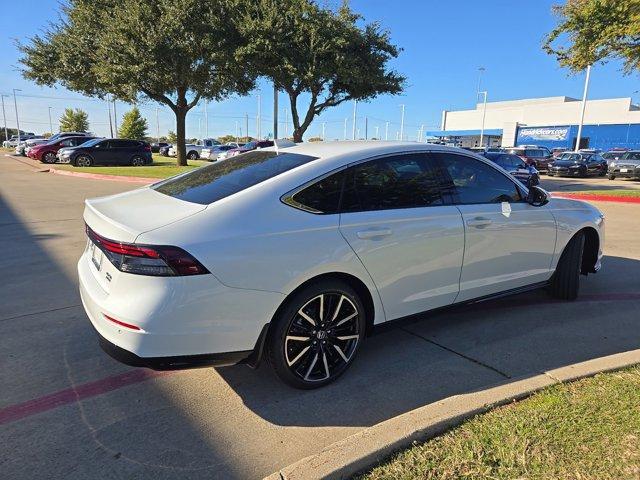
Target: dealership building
551,122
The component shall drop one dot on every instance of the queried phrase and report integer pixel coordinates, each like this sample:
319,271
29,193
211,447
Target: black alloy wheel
318,334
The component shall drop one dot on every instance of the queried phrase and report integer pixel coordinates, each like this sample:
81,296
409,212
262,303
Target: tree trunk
181,151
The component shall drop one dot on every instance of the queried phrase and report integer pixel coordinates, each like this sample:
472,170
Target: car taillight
153,260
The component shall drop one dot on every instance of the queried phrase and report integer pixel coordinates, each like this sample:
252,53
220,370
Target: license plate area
624,170
96,255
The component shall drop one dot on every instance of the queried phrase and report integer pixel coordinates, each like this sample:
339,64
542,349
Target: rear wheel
611,177
137,161
565,282
316,336
49,157
83,161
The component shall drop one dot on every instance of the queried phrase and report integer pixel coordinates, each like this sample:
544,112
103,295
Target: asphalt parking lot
68,411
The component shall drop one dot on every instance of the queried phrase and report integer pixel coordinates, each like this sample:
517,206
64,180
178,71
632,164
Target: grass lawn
589,429
613,192
162,167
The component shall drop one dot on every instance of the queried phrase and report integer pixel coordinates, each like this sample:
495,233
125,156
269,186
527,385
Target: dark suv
111,151
538,157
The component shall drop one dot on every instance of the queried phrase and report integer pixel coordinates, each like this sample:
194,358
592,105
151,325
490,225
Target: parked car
627,166
155,146
111,151
164,151
614,154
483,150
247,147
556,152
70,134
578,164
22,147
211,153
539,157
16,139
47,152
297,254
235,144
513,164
194,149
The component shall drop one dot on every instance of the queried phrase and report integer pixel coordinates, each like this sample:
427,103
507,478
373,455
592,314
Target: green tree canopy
596,30
171,137
174,52
74,120
308,49
133,125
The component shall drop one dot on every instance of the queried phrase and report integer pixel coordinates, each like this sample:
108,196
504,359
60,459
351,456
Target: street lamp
484,113
402,122
50,123
386,130
15,104
355,111
4,117
480,72
584,105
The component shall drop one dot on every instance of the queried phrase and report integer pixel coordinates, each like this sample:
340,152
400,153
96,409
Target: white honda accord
296,254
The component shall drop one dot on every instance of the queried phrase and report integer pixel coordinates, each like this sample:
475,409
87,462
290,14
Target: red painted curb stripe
596,198
70,395
101,176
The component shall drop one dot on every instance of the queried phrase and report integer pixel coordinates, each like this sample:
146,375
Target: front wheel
316,336
192,156
49,157
565,282
611,177
83,161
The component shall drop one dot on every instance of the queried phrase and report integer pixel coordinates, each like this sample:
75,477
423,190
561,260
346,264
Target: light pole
258,120
4,117
275,112
115,115
402,123
324,124
386,131
584,106
15,104
484,112
480,72
110,123
355,111
50,123
157,126
206,120
345,128
286,123
377,138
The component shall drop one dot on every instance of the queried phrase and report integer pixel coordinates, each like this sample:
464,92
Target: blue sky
443,44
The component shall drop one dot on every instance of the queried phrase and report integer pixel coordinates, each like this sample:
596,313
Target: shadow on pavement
424,361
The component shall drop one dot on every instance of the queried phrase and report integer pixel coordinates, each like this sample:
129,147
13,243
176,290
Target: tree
315,139
133,125
74,120
227,138
597,30
174,52
323,54
171,137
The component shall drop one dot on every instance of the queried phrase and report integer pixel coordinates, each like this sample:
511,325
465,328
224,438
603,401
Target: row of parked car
83,149
212,150
562,163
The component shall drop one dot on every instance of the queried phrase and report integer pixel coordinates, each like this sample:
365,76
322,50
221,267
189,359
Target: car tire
565,282
137,161
308,349
193,155
611,177
49,157
83,161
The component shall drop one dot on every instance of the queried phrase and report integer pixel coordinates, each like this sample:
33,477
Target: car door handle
374,233
479,222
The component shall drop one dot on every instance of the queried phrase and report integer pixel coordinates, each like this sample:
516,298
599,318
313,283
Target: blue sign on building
604,137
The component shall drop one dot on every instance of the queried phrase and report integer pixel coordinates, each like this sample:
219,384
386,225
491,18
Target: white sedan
297,254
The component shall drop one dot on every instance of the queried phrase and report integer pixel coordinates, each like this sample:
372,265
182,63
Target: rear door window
218,180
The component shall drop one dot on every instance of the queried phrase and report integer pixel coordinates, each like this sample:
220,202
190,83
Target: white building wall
539,112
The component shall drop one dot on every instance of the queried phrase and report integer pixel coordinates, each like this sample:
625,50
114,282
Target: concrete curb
596,198
364,449
100,176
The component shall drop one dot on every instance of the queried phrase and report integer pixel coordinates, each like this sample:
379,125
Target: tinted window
124,143
219,180
534,153
477,182
403,181
322,196
631,156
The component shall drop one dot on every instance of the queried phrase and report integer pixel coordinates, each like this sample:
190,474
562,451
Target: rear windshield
221,179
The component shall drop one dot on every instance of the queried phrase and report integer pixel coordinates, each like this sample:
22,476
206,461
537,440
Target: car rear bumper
183,321
633,173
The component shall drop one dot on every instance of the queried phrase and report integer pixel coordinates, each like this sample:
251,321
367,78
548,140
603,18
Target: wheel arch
591,249
354,282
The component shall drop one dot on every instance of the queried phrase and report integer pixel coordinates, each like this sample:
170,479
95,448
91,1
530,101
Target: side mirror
537,197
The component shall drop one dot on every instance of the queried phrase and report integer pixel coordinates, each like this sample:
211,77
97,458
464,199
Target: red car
538,157
247,147
46,152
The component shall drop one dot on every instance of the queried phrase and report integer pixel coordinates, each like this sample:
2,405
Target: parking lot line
18,411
